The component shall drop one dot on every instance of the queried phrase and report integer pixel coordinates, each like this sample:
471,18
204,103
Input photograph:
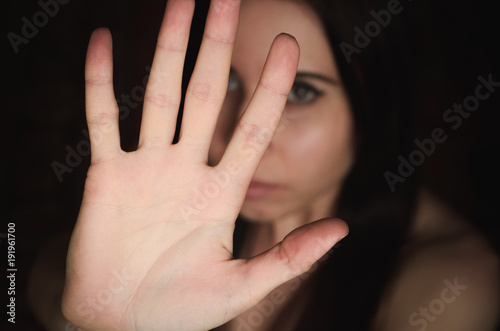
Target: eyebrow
305,74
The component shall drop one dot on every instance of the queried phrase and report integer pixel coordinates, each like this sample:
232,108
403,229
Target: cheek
319,148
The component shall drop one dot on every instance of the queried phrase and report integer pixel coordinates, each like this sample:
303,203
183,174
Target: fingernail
284,33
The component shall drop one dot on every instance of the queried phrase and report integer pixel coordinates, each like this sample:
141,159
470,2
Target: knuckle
223,11
204,92
254,134
219,38
98,80
288,261
101,119
273,88
171,47
162,100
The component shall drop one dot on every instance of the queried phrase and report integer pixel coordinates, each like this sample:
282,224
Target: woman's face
303,168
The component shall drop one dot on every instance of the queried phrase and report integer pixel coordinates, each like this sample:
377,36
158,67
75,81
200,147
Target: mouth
258,189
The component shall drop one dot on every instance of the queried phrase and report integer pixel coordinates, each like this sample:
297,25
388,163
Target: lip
258,189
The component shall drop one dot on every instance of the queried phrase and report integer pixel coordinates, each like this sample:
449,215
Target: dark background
44,113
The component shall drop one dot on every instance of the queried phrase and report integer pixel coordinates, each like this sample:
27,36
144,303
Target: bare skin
442,249
139,221
441,246
152,248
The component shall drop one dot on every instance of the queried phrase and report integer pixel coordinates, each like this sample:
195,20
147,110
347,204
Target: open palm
152,247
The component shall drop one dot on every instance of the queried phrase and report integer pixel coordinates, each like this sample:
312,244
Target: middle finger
208,85
163,93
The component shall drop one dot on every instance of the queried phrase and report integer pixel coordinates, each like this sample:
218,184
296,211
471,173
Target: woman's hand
152,247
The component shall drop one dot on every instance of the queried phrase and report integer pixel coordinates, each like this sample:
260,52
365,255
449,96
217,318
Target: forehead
262,20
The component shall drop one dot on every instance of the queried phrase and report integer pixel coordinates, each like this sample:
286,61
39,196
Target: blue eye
303,93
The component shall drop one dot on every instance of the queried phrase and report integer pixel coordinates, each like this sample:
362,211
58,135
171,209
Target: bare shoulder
448,279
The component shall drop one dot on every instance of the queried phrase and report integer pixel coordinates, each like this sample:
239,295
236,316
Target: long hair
381,79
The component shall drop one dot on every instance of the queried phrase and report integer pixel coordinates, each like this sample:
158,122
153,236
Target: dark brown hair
381,84
381,80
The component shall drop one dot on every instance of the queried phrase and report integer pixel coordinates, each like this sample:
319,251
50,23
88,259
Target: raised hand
152,247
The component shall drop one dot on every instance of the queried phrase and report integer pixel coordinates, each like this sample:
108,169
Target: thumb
290,258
